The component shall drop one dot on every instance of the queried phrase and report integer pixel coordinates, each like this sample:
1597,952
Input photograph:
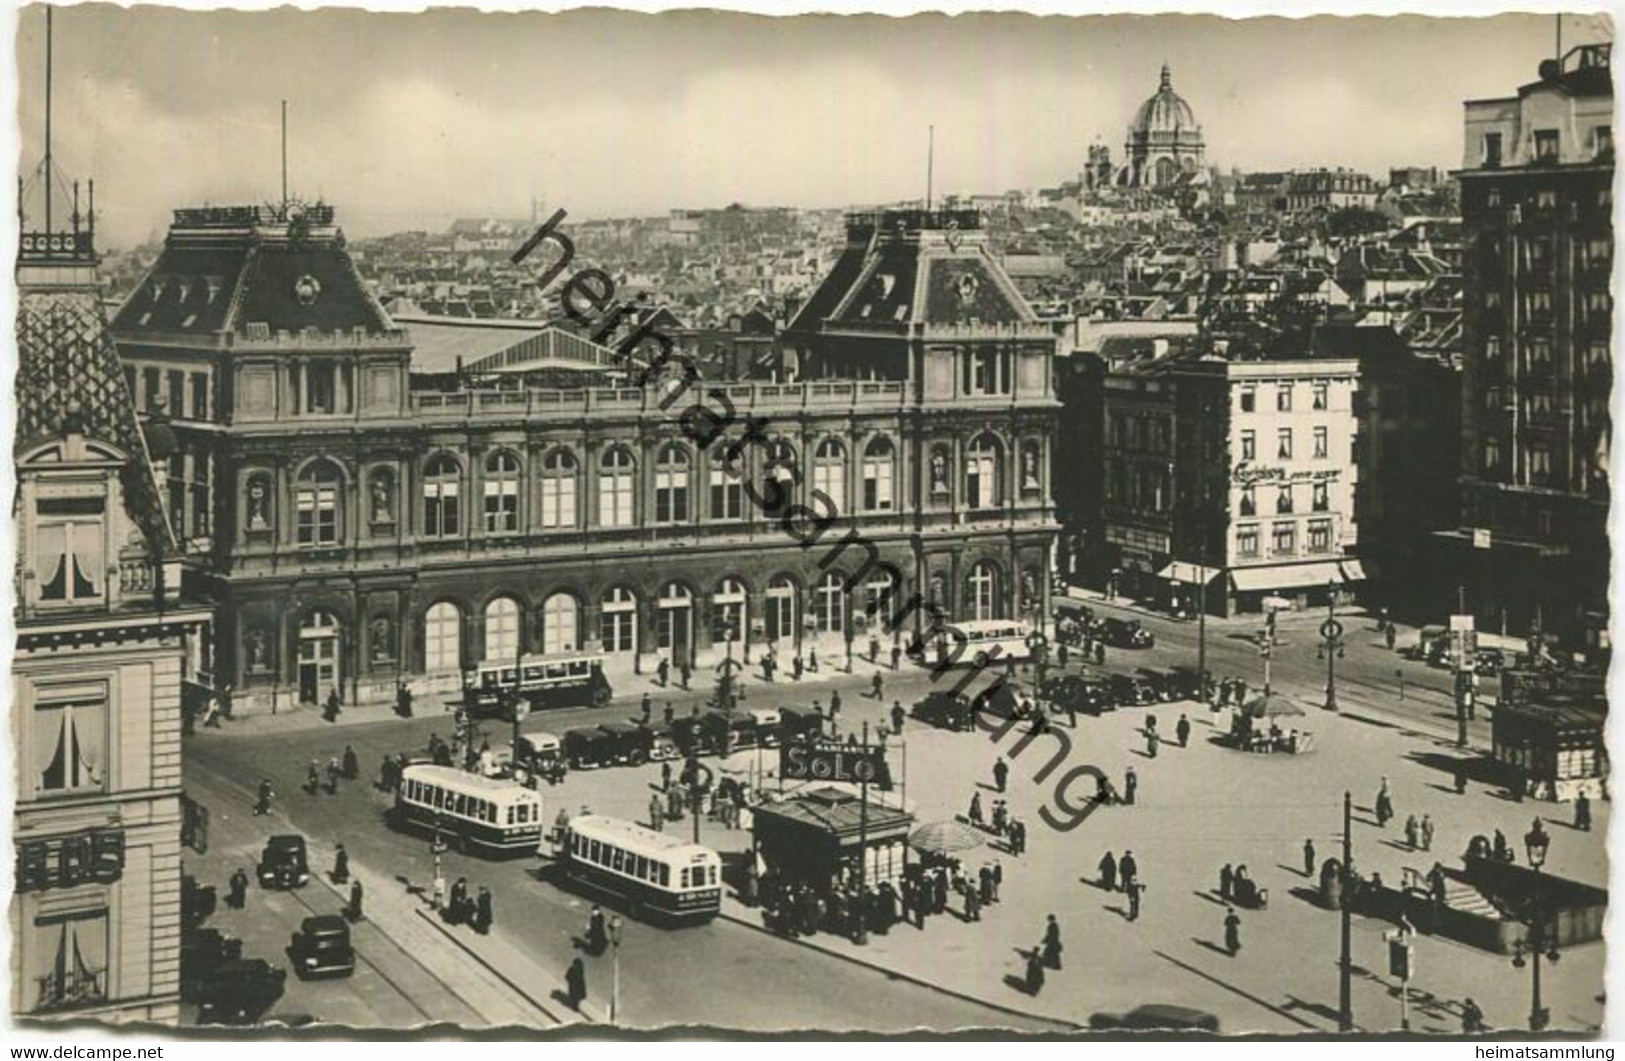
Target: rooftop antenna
49,172
930,163
284,155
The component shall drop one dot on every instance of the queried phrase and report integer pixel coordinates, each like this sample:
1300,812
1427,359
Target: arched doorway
561,624
319,664
782,620
728,613
674,621
618,621
981,591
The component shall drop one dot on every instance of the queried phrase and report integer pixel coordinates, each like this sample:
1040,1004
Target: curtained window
69,960
70,738
69,551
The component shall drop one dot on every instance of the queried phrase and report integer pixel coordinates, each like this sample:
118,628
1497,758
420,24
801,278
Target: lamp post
1331,647
1536,944
615,926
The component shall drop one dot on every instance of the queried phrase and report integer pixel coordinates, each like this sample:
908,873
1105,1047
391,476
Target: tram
657,877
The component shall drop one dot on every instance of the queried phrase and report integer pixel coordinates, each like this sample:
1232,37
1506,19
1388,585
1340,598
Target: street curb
906,977
435,923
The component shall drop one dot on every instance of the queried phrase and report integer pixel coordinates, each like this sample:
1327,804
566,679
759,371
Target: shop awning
1180,571
1285,576
1353,571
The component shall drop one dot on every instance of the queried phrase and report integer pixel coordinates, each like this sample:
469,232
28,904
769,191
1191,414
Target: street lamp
1331,646
1535,844
615,926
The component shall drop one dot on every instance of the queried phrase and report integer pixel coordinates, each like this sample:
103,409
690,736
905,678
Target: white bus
472,813
656,876
1012,637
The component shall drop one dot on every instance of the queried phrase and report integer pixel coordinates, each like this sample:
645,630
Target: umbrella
944,838
1271,706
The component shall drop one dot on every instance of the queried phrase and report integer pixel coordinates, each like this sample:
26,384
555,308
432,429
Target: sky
407,121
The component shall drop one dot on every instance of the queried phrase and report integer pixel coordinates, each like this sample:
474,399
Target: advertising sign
849,763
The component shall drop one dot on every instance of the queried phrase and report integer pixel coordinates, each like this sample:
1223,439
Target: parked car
1166,686
1129,690
799,724
1001,700
1087,693
945,710
588,747
541,755
768,724
283,863
197,901
1125,633
1157,1016
630,744
321,947
240,991
203,952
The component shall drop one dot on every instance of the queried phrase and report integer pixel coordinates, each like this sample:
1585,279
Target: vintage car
589,747
1001,700
197,901
321,947
1166,686
945,710
541,756
1088,693
203,951
1157,1016
240,991
283,862
768,723
799,724
1125,633
1131,690
723,731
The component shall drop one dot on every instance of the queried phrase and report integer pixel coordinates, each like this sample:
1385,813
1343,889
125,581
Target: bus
571,679
656,877
1013,638
472,813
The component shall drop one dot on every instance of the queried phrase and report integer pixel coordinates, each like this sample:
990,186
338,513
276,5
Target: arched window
316,500
829,604
780,475
442,638
981,590
727,491
616,481
501,493
878,459
728,611
671,484
782,619
982,472
502,630
618,620
829,471
319,667
673,619
441,479
559,489
561,629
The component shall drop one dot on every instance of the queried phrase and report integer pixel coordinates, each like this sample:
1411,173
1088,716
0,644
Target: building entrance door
318,657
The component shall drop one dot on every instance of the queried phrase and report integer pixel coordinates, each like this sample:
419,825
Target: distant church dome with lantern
1164,145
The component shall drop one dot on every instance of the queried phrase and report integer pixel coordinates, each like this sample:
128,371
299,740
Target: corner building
362,522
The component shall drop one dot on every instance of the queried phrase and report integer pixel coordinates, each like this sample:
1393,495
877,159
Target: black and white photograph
701,522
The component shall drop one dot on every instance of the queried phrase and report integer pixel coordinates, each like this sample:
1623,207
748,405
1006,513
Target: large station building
363,517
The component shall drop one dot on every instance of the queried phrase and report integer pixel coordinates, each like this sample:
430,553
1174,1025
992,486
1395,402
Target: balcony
74,989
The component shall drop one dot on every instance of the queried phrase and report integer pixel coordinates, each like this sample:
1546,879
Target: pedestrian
1461,777
237,895
1413,833
1108,872
597,936
796,668
973,903
897,717
1472,1018
313,777
334,772
1001,817
575,983
1052,943
1035,971
1182,730
686,672
657,813
262,801
1018,837
1390,636
1385,804
456,908
1503,853
482,912
812,660
874,649
1427,832
341,865
352,765
1135,889
877,685
1060,655
665,774
669,713
648,705
975,814
663,672
896,656
1227,879
1232,931
1131,785
834,709
403,700
1582,812
1309,858
353,912
984,878
1001,773
1128,870
1100,653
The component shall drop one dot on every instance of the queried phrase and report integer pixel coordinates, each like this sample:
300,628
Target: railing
137,577
71,989
391,339
527,401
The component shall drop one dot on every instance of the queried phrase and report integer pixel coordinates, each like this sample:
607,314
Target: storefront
1555,745
1304,585
823,835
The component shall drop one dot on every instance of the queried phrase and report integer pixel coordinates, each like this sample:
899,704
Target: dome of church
1166,112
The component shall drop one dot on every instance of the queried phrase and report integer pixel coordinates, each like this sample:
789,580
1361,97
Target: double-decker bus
573,679
654,876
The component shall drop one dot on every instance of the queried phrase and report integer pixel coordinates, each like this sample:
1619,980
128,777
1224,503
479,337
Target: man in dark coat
1232,931
1309,857
262,801
459,900
331,710
341,865
897,716
1227,881
354,910
1183,731
1582,813
238,894
1035,972
597,932
1052,943
1001,773
648,707
482,911
1108,872
1100,653
1135,889
1131,785
1127,869
352,765
663,672
575,984
940,892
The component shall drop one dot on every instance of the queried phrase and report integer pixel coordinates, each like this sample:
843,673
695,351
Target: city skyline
399,135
